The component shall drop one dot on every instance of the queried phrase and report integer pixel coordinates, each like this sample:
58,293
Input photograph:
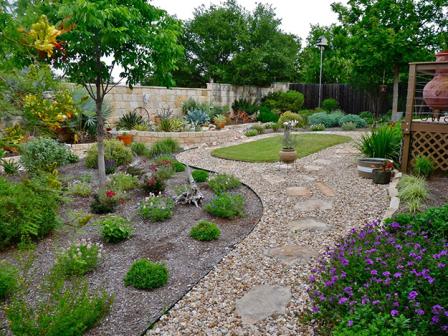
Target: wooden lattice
433,145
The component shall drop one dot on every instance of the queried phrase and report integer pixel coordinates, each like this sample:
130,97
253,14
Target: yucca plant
382,142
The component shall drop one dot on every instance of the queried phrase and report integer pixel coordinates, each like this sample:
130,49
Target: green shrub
104,202
43,154
123,182
251,132
205,231
348,126
382,142
266,115
330,104
423,166
10,167
223,182
275,127
153,184
367,116
359,122
164,172
289,116
86,178
328,119
317,127
306,114
139,148
178,167
226,205
145,274
113,150
199,175
8,279
80,189
79,259
258,128
115,228
165,146
28,210
284,101
156,208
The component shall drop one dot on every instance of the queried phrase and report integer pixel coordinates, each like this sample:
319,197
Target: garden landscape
219,175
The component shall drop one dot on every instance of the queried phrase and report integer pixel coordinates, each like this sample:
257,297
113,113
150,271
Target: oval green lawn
266,150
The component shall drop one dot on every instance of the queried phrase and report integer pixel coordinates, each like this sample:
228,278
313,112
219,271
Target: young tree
135,35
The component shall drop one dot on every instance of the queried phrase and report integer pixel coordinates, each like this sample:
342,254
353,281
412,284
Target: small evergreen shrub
42,154
289,116
226,205
153,184
178,167
156,208
123,182
104,202
80,189
205,231
223,182
113,150
423,166
368,117
199,175
328,119
266,115
348,126
330,104
359,122
165,146
115,229
317,127
139,148
251,132
8,279
145,274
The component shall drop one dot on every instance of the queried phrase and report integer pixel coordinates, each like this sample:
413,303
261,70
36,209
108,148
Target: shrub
284,101
43,154
10,167
328,119
317,127
79,259
104,202
113,150
258,128
129,120
156,208
8,279
382,142
289,116
367,116
306,114
197,117
164,172
145,274
139,148
330,104
123,182
205,231
266,115
199,175
153,184
226,205
245,105
359,122
275,127
251,132
397,270
80,189
115,228
223,182
28,210
178,167
413,191
165,146
423,166
348,126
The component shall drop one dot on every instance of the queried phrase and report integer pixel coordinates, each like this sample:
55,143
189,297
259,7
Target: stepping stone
313,204
322,162
261,302
303,178
298,191
312,168
308,224
290,254
325,189
273,179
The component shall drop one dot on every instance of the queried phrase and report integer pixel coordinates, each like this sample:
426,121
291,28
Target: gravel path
305,209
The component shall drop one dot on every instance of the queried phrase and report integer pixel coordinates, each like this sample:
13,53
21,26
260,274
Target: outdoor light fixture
321,43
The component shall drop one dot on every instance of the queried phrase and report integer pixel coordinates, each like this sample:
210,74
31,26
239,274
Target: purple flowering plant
395,270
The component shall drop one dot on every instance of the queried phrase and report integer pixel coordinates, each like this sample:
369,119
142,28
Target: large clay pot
125,138
435,93
288,155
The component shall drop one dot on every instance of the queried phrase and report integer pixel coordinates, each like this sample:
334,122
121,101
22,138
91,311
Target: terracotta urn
435,92
125,138
288,155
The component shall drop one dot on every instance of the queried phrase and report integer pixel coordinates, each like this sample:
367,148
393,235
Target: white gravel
209,308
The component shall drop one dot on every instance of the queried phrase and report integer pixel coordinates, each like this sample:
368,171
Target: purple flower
342,300
412,295
440,265
350,323
437,309
420,312
312,278
386,274
315,309
396,304
375,302
395,225
394,312
365,300
397,275
344,262
369,261
374,272
348,290
435,319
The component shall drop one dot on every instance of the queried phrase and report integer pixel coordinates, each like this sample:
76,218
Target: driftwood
192,195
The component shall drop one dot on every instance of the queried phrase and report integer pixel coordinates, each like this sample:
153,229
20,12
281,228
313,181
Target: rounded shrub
367,116
79,259
289,116
267,115
114,150
328,119
330,104
145,274
115,229
284,101
226,205
42,154
359,122
157,208
199,175
223,182
178,167
205,231
8,279
251,133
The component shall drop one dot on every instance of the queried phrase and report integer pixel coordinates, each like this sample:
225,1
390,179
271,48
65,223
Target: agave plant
129,120
198,117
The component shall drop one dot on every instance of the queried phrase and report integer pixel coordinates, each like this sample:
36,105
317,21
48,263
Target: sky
296,15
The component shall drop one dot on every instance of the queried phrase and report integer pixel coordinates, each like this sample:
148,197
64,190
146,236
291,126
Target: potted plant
384,174
125,138
220,121
288,152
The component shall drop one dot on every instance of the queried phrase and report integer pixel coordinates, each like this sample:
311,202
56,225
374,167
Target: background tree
135,35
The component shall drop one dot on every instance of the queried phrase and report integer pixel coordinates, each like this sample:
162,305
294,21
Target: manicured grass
266,150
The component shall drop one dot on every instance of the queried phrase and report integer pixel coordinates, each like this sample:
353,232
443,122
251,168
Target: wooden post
407,124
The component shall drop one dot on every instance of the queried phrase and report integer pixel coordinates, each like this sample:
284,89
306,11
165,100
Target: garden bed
187,260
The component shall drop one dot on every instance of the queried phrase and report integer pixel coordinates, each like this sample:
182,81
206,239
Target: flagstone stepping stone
303,178
308,224
298,191
313,204
325,189
290,254
322,162
312,168
273,179
261,302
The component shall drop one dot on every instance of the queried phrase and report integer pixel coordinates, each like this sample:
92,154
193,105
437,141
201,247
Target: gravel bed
209,308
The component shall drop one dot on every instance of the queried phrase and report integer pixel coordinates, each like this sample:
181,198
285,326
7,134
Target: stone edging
393,194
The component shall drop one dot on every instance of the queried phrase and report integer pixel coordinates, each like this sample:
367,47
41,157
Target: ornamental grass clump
223,182
156,208
397,270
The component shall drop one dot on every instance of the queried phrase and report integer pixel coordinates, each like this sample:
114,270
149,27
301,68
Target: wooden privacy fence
351,100
424,133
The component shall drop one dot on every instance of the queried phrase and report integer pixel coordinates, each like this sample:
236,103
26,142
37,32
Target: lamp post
321,43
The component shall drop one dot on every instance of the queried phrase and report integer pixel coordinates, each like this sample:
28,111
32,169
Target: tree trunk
100,134
395,92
